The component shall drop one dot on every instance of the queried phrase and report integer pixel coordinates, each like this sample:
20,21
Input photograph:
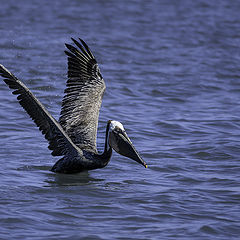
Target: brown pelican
74,136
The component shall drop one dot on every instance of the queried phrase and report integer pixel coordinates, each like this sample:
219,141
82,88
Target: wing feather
83,96
59,142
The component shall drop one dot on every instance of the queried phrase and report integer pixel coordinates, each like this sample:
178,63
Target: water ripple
172,75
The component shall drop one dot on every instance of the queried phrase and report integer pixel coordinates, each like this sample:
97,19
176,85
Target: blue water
172,70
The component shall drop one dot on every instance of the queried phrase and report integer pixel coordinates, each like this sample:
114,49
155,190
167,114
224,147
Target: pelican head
120,142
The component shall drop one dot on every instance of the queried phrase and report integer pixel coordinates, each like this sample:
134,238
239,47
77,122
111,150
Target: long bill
122,144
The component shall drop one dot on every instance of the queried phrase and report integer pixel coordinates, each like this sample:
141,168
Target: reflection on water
72,179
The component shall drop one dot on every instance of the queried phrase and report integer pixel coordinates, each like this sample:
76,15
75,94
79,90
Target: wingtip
70,47
87,48
74,40
5,72
81,40
83,43
2,67
67,45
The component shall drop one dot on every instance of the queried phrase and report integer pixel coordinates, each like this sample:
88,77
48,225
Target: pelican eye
118,129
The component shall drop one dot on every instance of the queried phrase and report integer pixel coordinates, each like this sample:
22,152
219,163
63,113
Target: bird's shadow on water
77,179
61,179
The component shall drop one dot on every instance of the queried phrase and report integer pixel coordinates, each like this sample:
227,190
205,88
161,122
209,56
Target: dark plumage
84,92
74,136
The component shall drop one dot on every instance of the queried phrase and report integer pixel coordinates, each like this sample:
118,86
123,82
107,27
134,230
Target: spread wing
83,96
59,142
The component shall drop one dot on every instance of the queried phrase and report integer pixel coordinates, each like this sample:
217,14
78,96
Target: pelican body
74,136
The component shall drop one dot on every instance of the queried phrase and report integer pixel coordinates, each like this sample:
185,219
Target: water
173,79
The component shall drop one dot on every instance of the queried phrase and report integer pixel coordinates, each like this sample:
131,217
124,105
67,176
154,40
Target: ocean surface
172,70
